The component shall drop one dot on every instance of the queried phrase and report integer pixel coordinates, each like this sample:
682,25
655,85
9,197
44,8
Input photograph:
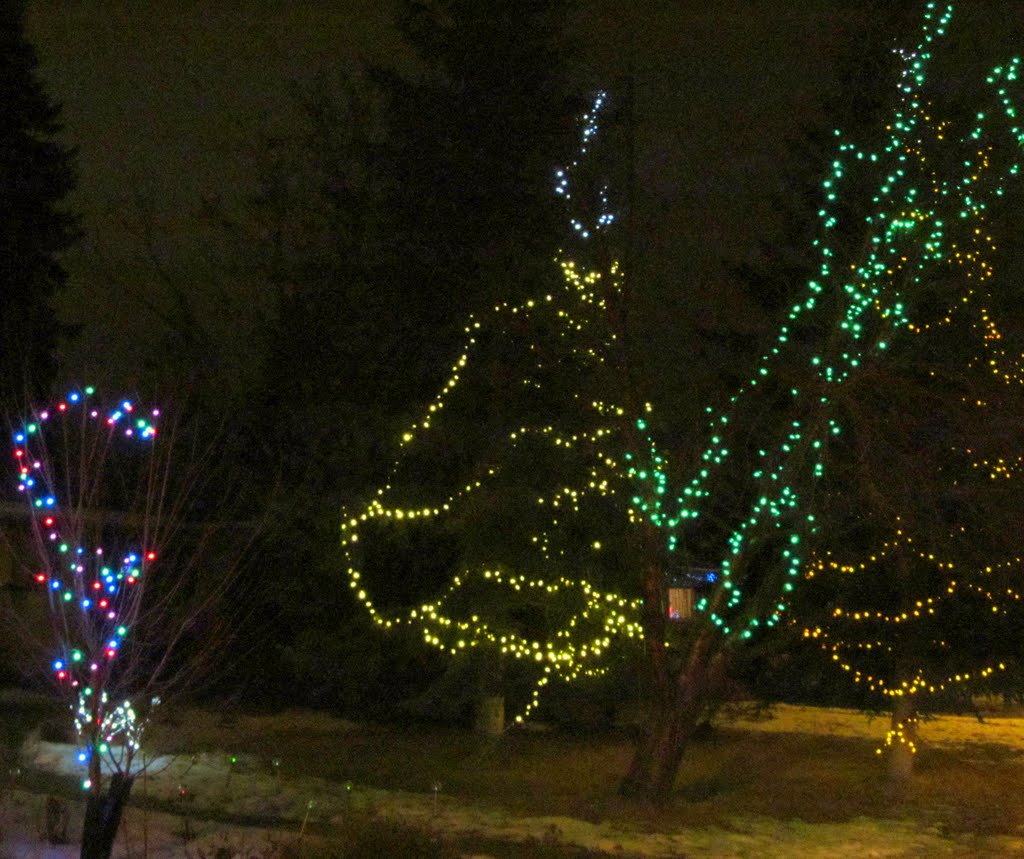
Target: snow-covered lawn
937,731
296,813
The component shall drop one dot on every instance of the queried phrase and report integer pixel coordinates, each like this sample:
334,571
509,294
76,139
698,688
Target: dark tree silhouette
36,174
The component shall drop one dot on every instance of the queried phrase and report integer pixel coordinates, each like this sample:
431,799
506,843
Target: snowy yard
244,805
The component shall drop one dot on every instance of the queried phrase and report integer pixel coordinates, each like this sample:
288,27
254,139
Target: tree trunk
678,707
489,706
902,739
489,716
103,818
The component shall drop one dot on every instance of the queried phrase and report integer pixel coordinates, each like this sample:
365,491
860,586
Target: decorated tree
899,219
133,590
916,600
395,197
505,526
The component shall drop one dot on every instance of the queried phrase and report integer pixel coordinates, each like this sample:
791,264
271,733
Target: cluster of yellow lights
976,269
583,285
919,683
899,541
1001,363
922,608
605,615
999,467
901,735
585,635
971,259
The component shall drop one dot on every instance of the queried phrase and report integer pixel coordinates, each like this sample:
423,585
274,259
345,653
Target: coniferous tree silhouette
36,175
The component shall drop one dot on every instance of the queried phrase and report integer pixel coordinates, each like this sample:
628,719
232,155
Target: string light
901,734
918,221
91,588
855,637
593,434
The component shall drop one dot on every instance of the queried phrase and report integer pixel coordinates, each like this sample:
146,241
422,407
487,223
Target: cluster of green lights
918,223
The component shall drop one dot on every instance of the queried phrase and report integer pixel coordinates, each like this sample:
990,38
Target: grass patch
731,773
730,779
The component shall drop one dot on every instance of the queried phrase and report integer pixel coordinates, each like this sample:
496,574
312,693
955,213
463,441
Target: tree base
103,818
902,740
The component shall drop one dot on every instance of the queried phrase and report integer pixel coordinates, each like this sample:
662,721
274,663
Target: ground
216,803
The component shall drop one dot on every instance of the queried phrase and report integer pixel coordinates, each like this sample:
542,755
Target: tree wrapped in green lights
519,470
897,220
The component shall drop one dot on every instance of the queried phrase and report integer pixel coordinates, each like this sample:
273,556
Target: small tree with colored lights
898,220
133,589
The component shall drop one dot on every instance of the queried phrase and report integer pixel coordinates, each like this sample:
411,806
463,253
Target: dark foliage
36,174
400,205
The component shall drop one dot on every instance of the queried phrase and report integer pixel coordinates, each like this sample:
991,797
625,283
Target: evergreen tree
391,210
917,598
36,174
534,510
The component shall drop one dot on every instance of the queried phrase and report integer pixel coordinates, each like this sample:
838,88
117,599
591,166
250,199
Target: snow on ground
938,730
142,834
247,789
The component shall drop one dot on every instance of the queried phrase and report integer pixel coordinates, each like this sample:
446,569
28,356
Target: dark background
166,102
169,106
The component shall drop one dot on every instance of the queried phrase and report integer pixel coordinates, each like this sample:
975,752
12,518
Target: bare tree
136,581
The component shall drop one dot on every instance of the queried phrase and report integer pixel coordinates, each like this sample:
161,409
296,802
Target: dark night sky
165,102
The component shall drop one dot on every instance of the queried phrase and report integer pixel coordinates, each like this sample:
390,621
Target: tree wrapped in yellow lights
956,635
505,526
